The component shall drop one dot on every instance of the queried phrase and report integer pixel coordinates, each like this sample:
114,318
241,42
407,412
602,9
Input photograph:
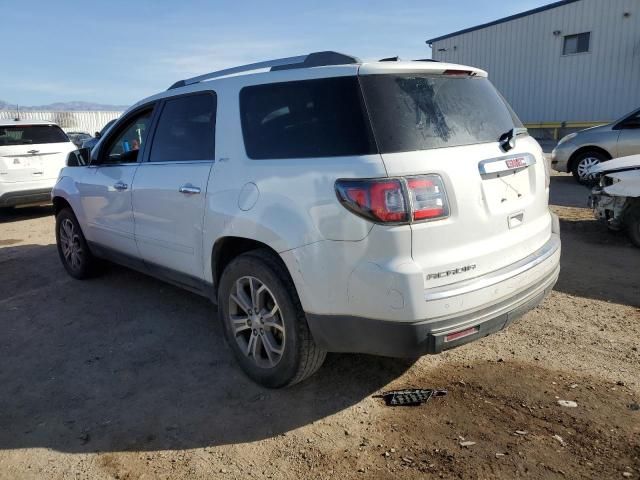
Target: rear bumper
535,277
25,197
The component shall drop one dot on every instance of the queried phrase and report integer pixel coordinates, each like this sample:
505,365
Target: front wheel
264,322
584,162
72,246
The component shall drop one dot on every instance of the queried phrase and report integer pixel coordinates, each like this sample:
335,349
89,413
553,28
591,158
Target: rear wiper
508,140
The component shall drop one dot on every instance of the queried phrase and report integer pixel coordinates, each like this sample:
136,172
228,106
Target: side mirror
98,135
79,158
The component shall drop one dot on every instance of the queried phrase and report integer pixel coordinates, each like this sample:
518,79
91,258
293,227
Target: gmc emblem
516,163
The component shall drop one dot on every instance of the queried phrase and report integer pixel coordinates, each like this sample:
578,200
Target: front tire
264,322
72,246
583,162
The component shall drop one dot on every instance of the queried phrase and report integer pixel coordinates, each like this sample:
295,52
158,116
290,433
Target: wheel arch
60,203
585,149
225,249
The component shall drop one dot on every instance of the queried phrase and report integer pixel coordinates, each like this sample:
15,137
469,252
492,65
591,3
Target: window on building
576,43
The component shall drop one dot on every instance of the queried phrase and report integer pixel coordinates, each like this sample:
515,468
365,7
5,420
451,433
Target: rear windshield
419,112
308,118
31,135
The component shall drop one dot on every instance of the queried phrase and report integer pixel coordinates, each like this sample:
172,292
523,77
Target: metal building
571,63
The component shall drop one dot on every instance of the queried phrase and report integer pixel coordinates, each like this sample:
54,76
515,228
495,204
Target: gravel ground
126,377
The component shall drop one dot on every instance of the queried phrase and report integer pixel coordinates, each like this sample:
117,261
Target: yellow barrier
556,126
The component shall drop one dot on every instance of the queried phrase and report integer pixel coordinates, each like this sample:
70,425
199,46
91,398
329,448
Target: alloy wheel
584,166
256,322
71,244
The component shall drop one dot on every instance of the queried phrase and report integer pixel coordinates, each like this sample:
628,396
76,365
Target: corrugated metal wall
524,60
89,122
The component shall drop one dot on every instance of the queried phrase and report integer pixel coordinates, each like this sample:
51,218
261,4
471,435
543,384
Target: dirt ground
125,377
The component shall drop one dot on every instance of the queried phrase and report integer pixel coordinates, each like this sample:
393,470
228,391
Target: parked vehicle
32,154
578,152
616,200
411,226
91,142
78,138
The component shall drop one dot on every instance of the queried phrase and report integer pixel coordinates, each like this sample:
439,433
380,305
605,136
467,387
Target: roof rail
315,59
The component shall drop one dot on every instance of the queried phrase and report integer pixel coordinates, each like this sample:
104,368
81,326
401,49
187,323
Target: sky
120,51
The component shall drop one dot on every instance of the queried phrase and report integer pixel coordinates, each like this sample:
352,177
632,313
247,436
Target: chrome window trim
179,162
101,165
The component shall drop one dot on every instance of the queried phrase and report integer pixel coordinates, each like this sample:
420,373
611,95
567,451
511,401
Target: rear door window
186,129
31,135
302,119
418,112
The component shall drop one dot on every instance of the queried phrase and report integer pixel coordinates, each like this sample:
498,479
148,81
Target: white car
32,153
324,204
616,200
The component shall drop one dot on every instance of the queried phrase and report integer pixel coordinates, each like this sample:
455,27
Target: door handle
189,189
120,186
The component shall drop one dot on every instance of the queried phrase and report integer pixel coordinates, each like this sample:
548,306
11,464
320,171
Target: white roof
13,123
302,73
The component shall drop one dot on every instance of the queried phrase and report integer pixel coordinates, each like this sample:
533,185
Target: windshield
31,135
418,112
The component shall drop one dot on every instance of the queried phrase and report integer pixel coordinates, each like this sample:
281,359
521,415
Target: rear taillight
428,199
395,200
377,200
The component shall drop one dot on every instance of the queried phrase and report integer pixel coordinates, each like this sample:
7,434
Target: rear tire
264,323
72,246
584,161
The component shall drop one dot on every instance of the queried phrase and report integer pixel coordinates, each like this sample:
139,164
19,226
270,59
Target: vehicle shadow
566,192
123,362
9,215
598,264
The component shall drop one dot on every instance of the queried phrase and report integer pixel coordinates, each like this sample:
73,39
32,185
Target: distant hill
75,106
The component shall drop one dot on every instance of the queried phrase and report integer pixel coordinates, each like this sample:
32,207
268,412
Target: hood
623,163
604,126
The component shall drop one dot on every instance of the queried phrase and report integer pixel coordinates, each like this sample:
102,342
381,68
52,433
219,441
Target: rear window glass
419,112
31,135
309,118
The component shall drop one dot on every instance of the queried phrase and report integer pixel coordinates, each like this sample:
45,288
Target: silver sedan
578,152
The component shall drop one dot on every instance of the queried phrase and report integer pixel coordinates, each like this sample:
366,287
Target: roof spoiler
315,59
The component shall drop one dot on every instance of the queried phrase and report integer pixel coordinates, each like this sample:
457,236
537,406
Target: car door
629,139
105,188
170,187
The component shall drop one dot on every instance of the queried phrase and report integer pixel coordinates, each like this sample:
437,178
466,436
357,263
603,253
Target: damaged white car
616,199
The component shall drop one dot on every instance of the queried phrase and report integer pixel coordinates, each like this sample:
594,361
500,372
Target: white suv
31,157
324,204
